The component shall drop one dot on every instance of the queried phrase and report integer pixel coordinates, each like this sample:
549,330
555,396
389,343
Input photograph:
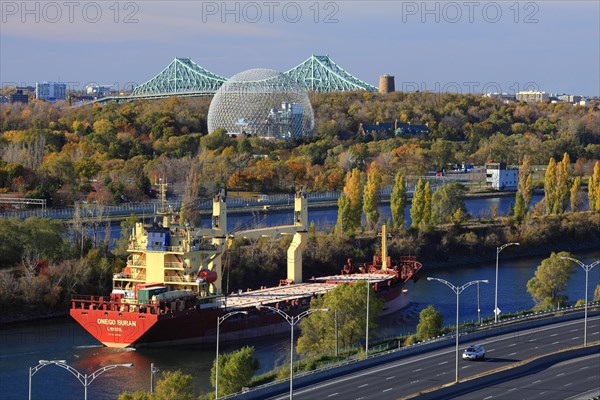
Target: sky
457,46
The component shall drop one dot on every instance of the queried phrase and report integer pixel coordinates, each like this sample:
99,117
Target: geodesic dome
261,102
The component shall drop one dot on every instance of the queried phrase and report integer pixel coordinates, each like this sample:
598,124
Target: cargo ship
170,291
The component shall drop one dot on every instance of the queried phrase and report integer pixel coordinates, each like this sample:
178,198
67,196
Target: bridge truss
181,77
321,74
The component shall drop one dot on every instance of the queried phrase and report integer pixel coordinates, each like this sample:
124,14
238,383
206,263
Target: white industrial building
499,177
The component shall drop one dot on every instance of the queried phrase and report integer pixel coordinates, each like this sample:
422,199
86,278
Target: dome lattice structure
262,102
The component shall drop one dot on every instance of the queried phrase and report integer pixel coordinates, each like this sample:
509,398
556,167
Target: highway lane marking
534,382
417,381
390,377
489,397
417,370
568,384
555,334
403,362
575,338
561,374
512,354
573,330
591,377
443,362
555,343
490,350
361,386
510,390
511,345
386,390
360,398
333,394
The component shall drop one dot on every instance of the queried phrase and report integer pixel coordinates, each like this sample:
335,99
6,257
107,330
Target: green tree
418,204
427,214
520,208
343,224
550,186
372,195
430,323
235,370
446,201
172,385
398,200
318,329
549,282
575,198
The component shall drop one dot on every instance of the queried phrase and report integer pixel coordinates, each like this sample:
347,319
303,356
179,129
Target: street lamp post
498,250
85,379
292,320
458,290
587,268
219,321
367,327
153,370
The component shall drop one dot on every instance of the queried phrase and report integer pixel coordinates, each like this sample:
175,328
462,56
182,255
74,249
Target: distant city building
50,91
532,96
97,91
569,98
499,177
19,97
584,102
395,128
386,84
503,96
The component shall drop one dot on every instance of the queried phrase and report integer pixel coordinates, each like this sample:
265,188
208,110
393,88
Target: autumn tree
235,370
430,323
350,204
550,280
575,198
550,186
594,188
562,185
349,302
398,201
524,189
372,195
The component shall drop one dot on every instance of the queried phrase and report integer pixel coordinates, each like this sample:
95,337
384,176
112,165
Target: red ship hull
115,328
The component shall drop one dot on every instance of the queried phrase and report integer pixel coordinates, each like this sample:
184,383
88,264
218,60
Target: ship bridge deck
321,285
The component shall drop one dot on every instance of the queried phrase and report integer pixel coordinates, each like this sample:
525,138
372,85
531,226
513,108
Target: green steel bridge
183,77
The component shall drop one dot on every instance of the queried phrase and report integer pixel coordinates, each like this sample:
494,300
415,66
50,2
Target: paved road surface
411,375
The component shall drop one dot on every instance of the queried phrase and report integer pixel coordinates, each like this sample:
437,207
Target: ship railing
176,265
175,279
104,303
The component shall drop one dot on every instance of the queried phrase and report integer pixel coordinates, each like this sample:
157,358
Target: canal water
22,345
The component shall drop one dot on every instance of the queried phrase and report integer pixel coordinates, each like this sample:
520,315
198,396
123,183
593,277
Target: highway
572,379
411,375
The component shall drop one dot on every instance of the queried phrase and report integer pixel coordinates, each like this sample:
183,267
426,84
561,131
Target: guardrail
336,369
93,211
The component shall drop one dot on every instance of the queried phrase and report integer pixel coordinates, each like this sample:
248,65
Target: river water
23,344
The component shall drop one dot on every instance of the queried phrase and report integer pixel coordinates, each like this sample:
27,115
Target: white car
475,352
